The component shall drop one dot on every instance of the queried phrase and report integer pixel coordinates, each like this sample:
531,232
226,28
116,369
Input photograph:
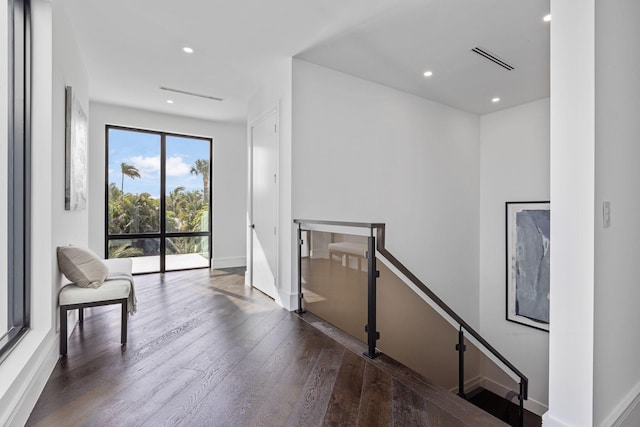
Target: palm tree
173,197
130,171
123,250
201,167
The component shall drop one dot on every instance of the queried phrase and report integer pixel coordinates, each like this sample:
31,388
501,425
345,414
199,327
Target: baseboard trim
229,262
469,385
549,421
39,375
293,302
624,409
287,301
502,390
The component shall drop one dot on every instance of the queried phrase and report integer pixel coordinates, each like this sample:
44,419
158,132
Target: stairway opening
502,408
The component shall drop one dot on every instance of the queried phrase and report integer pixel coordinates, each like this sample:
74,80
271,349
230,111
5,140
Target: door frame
275,109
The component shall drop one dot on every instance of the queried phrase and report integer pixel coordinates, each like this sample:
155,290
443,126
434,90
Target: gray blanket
132,302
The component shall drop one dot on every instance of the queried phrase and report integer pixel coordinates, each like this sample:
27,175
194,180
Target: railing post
522,396
300,310
372,334
461,349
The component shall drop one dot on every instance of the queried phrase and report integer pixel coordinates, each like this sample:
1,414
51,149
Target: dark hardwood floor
205,350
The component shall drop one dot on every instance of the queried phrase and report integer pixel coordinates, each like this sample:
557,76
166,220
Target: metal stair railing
376,243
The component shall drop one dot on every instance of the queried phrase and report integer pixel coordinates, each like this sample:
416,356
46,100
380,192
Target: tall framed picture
76,135
528,259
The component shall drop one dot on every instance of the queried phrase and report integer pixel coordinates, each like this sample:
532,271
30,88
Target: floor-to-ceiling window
158,199
15,179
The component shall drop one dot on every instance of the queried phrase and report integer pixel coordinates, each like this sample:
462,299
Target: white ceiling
132,47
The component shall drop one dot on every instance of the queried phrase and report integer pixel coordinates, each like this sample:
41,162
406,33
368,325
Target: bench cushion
111,289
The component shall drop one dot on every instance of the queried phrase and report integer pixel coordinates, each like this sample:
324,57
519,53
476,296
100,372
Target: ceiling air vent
184,92
491,57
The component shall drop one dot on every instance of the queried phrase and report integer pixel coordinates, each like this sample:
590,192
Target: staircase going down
411,398
502,409
348,278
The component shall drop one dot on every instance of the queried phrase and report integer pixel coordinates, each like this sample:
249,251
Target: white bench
116,291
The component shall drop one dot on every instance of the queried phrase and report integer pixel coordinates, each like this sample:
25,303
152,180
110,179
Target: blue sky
142,150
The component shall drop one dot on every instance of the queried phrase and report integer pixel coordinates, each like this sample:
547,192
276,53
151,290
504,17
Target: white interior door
265,204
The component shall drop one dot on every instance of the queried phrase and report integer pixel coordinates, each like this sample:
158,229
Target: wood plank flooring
205,350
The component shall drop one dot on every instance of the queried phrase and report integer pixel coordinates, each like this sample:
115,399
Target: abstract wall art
76,135
528,259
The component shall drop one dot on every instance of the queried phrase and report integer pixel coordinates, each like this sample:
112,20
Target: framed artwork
528,256
76,135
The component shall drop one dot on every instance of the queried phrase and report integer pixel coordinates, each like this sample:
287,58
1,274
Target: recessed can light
187,49
496,99
428,73
169,101
547,18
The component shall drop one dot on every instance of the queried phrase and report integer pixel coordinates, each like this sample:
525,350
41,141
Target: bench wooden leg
80,315
123,323
63,331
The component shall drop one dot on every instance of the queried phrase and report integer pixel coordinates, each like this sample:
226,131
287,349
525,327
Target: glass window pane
145,253
187,185
134,182
149,172
187,252
15,165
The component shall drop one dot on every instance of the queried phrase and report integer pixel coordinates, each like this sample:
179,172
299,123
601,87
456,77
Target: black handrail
380,247
424,289
524,381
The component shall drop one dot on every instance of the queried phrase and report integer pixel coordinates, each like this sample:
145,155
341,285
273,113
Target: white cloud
151,165
177,167
146,165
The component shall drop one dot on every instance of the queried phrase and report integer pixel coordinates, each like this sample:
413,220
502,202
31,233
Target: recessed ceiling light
169,101
187,49
547,18
428,73
496,99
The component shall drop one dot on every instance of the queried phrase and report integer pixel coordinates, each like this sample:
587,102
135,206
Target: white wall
514,166
276,91
24,372
572,205
229,174
70,227
365,152
616,381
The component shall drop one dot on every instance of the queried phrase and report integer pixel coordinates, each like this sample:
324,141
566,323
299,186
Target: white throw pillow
81,266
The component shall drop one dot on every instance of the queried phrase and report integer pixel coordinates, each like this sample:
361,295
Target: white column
572,213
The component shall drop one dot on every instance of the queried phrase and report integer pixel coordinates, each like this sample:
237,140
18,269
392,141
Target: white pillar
572,213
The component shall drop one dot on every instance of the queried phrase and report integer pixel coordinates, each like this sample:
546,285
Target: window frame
162,234
19,174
